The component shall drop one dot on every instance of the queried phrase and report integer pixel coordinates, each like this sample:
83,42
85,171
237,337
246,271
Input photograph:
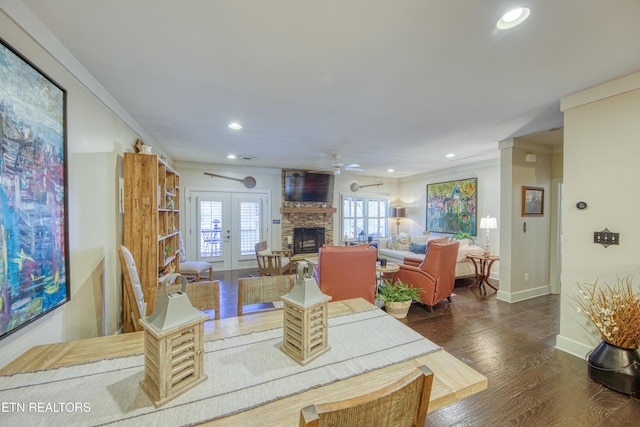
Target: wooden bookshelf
151,222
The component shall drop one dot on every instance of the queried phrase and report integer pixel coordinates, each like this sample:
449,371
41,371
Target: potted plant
397,298
167,251
615,312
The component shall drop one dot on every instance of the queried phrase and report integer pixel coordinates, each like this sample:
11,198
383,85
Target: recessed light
231,156
235,126
450,156
391,170
513,18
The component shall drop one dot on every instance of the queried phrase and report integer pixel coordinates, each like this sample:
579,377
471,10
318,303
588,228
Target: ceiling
385,84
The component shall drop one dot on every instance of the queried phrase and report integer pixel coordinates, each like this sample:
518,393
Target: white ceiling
386,84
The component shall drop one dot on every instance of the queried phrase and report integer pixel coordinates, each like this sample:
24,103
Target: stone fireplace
308,216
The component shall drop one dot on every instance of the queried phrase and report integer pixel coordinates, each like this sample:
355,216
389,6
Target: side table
482,265
391,268
295,259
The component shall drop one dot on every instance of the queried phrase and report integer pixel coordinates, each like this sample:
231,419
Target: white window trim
366,197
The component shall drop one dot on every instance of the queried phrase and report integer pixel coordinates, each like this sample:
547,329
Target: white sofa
464,266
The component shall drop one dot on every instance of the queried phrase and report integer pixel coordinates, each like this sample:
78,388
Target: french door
225,226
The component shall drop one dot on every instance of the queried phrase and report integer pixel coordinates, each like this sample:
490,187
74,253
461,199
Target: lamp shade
398,212
488,223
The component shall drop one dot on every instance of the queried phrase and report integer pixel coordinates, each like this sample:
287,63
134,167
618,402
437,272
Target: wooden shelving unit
151,222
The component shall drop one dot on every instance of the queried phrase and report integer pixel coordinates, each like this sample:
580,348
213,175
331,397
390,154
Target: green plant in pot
397,298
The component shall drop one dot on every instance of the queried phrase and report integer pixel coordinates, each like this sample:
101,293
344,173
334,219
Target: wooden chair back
133,291
271,263
402,403
264,289
204,295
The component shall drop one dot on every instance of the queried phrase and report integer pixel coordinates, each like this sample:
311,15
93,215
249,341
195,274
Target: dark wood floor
530,382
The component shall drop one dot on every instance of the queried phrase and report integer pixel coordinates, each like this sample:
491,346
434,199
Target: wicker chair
203,295
271,263
403,403
265,289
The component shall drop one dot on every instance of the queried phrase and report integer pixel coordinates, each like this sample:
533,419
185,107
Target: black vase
616,368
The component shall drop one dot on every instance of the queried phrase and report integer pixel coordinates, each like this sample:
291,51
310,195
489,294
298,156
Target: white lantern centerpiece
173,346
305,318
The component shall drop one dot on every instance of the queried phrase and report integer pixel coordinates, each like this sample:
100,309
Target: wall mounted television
307,186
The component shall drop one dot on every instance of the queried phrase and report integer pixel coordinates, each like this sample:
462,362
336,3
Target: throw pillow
418,249
420,240
265,252
400,243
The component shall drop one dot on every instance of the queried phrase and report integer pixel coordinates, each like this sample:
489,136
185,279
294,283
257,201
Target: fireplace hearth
307,240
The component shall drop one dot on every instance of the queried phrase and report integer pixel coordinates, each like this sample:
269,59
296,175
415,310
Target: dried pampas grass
614,310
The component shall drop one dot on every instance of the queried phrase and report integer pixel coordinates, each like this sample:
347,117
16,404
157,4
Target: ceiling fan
337,166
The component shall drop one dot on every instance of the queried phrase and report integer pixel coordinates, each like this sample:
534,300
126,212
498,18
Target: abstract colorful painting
452,206
34,270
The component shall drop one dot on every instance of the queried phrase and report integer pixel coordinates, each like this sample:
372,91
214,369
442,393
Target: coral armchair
345,272
436,275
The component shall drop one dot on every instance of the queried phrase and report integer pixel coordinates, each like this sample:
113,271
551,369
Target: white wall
413,195
525,269
601,152
95,138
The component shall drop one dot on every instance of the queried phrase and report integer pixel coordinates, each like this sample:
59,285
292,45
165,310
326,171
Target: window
210,228
250,220
364,217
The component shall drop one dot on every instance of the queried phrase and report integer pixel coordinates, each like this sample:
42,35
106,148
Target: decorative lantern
305,318
173,347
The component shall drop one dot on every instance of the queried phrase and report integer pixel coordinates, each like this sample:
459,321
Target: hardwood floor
530,382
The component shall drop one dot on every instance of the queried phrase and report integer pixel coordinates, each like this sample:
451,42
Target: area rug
244,372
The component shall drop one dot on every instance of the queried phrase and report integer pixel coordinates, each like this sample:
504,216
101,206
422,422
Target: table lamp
488,223
398,212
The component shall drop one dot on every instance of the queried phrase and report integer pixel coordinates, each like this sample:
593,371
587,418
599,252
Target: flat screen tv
305,186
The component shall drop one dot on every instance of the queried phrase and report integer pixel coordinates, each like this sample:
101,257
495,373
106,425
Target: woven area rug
244,372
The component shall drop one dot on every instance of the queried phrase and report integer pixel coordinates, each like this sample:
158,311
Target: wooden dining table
453,379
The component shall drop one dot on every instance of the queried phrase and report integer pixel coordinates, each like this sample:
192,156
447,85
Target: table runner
244,372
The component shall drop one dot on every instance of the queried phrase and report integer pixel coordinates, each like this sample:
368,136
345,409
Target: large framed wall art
34,255
452,206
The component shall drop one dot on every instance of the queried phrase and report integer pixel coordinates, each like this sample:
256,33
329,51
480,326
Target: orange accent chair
345,272
436,275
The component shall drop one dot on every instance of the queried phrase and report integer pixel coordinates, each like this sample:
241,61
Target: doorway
555,253
223,227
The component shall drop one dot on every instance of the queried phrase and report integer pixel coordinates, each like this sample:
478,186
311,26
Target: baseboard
572,347
523,295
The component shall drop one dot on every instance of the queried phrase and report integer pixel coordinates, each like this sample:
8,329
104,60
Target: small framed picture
532,201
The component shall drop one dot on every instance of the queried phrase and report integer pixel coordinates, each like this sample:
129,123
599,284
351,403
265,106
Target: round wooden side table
482,265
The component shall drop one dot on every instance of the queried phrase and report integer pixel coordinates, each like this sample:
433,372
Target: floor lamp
398,212
488,223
